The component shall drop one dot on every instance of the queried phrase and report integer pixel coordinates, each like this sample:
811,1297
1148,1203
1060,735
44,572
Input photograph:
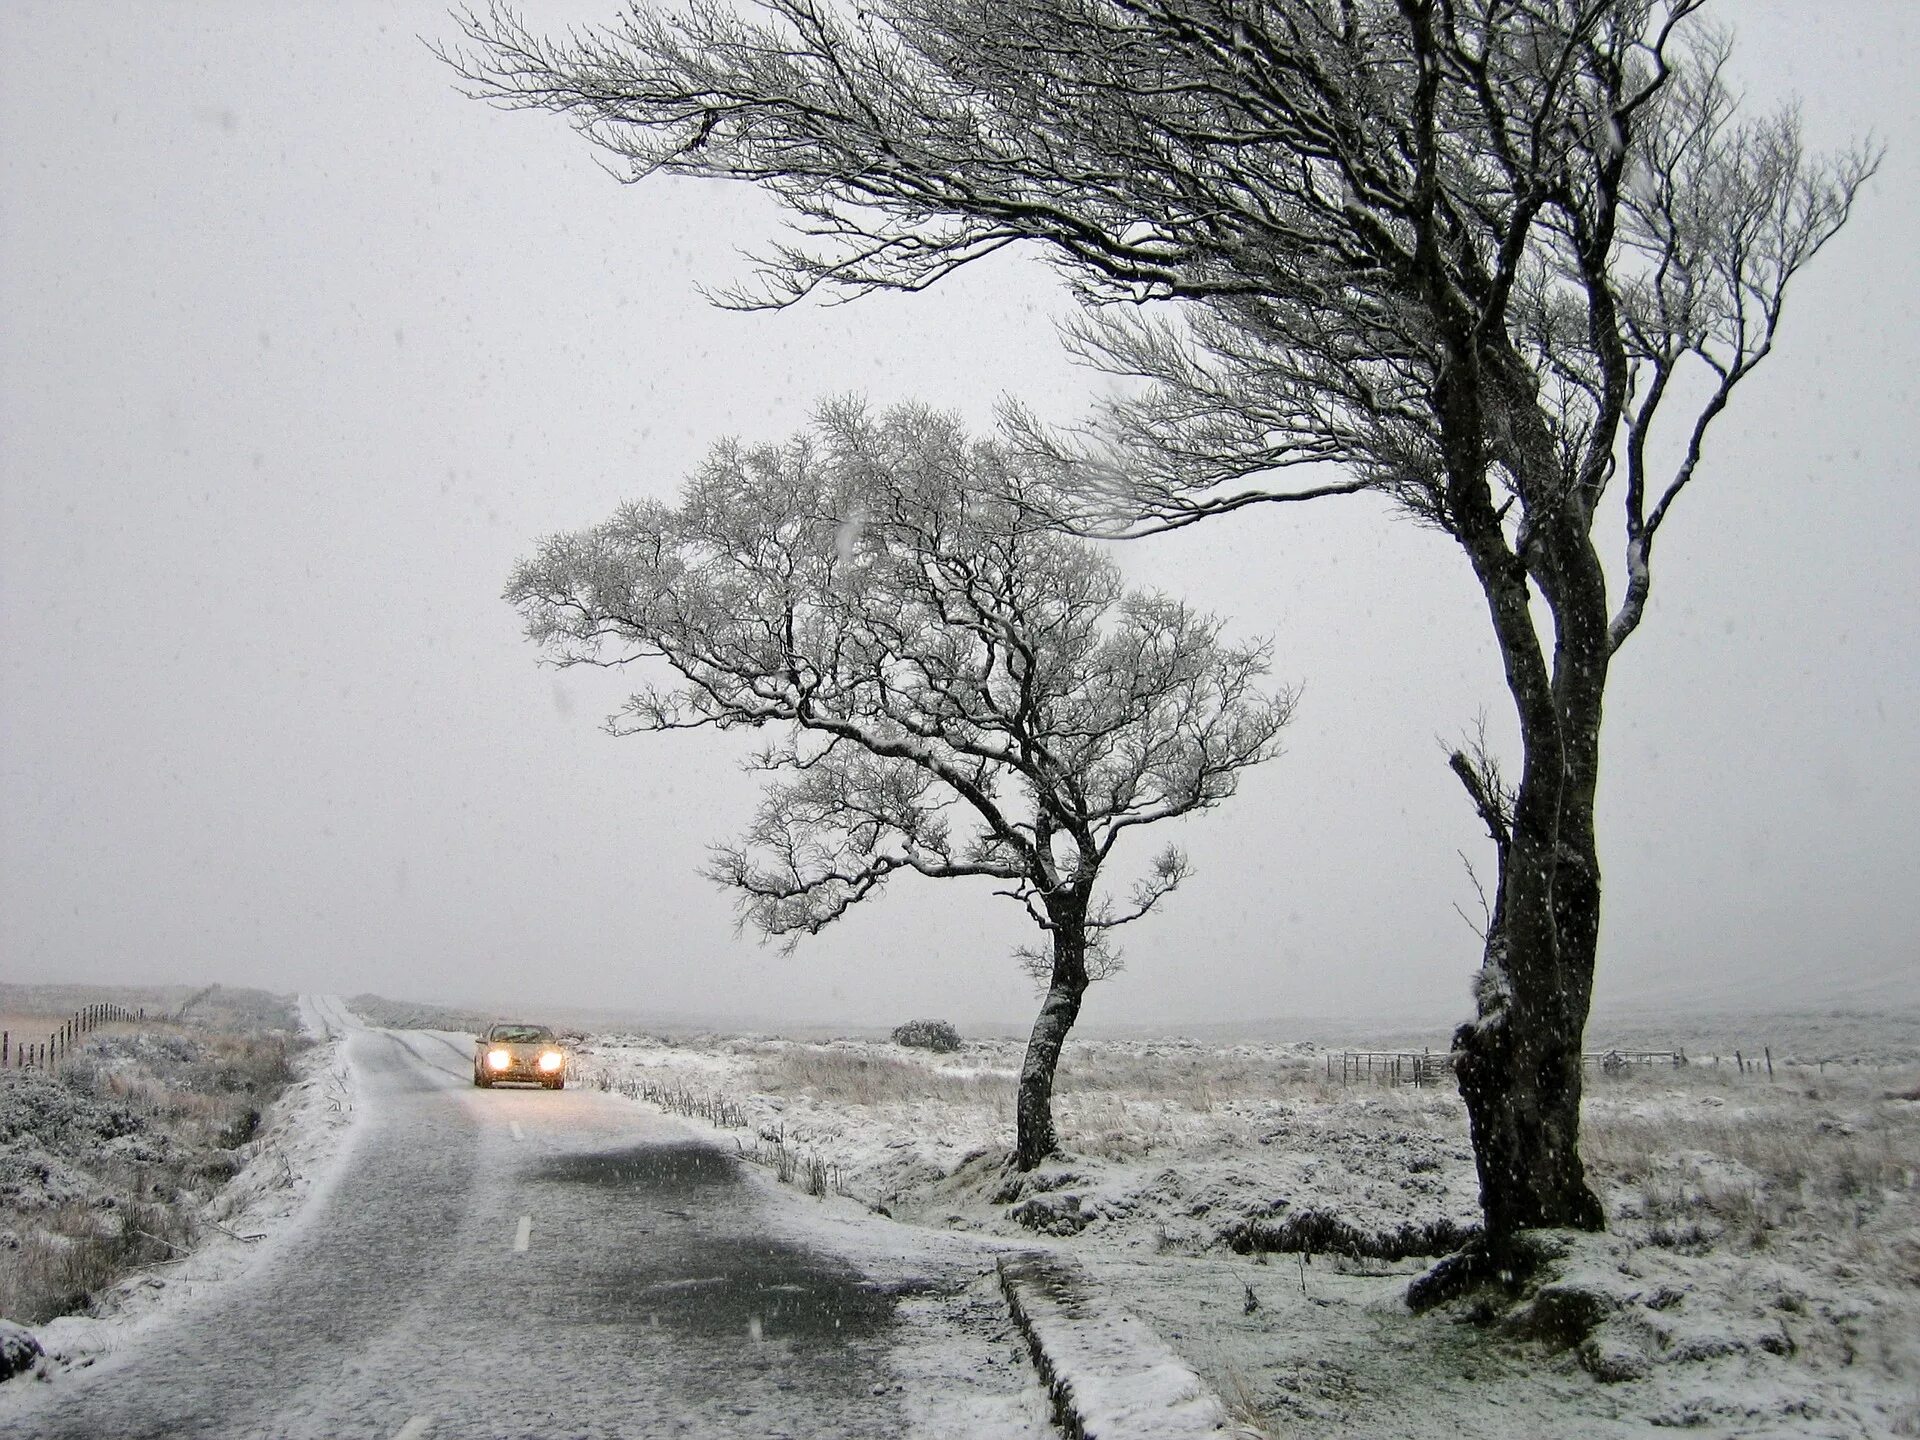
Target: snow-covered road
527,1263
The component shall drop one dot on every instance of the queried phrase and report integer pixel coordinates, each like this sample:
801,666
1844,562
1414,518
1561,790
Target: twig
236,1234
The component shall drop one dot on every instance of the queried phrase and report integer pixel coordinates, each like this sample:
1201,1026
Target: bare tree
961,693
1504,261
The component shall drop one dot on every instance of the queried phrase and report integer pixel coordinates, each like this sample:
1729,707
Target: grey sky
299,351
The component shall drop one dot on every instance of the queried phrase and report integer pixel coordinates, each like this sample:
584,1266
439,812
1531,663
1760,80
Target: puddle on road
746,1287
670,1170
762,1290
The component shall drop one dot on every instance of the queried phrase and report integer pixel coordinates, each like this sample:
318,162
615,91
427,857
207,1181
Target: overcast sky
299,351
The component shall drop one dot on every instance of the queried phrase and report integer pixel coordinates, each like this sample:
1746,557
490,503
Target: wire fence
48,1054
1423,1068
1419,1068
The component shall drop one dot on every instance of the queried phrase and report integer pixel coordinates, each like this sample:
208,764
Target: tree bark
1519,1061
1519,1065
1034,1135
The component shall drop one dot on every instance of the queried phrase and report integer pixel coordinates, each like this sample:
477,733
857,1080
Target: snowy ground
1762,1274
680,1285
299,1140
955,1367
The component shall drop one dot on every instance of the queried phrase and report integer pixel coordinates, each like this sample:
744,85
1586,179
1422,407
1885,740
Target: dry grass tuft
1242,1399
106,1163
1692,1166
74,1252
1192,1078
849,1078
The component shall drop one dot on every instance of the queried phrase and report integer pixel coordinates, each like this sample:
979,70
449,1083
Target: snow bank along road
531,1263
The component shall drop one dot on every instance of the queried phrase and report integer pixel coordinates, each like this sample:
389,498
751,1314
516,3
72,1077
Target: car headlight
499,1059
552,1060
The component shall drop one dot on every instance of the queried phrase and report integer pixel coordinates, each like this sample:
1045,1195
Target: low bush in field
935,1035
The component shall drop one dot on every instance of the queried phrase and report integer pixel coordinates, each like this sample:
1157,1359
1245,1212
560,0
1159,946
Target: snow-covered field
1761,1274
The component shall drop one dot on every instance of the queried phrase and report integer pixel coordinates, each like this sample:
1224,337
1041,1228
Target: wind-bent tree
961,693
1503,261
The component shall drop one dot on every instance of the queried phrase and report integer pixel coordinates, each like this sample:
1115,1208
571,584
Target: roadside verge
295,1153
1110,1376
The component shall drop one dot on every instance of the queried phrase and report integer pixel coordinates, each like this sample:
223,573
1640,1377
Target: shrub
935,1035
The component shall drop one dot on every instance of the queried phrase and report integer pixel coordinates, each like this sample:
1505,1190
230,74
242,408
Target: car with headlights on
529,1053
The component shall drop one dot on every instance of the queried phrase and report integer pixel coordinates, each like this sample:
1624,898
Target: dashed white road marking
518,1133
415,1428
522,1233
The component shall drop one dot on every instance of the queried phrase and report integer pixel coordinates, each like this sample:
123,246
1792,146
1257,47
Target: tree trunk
1519,1069
1034,1136
1519,1061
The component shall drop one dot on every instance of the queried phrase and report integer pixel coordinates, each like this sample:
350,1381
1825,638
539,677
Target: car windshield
522,1034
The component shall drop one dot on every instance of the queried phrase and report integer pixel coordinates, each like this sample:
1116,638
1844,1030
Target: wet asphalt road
650,1298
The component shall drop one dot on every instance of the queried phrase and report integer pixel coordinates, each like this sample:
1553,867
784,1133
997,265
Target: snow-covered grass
1693,1163
1761,1273
149,1165
107,1162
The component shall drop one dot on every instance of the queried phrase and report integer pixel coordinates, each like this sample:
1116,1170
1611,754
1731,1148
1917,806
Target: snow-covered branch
960,693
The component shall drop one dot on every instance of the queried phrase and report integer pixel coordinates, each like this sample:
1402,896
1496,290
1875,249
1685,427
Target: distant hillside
212,1005
382,1013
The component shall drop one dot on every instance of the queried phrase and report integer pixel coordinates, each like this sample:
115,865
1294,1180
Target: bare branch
1483,927
1475,256
958,693
1479,771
